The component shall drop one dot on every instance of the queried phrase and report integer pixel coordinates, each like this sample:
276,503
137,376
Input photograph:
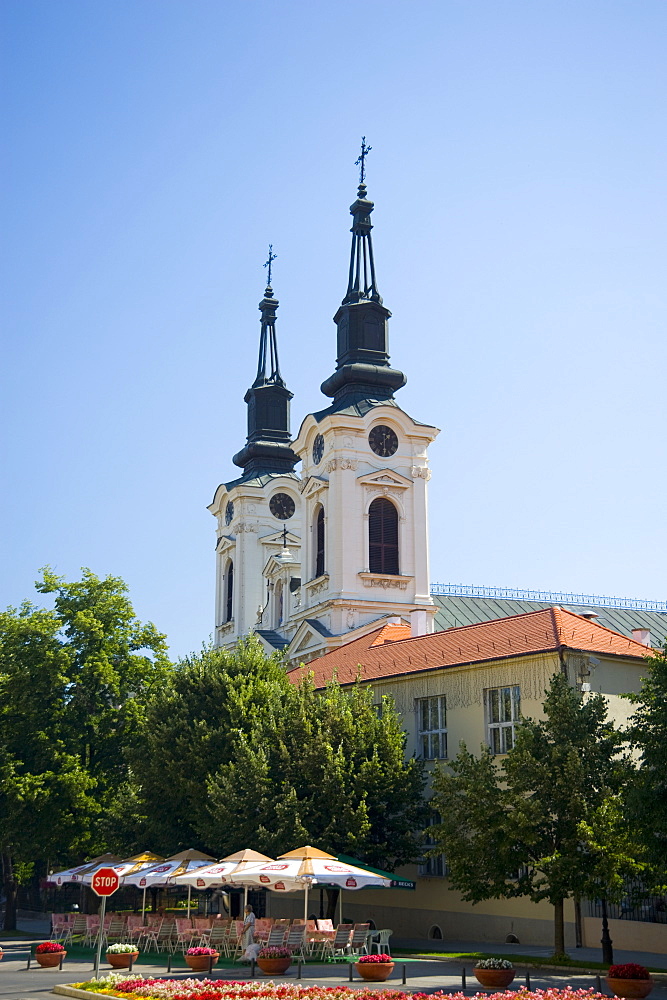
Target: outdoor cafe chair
296,940
235,938
164,939
149,938
379,941
183,934
76,929
216,936
115,930
338,945
276,936
59,926
262,927
358,939
92,929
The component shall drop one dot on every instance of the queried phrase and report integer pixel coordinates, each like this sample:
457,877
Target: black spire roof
267,449
363,373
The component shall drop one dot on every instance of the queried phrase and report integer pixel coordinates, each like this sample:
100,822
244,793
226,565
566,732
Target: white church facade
310,560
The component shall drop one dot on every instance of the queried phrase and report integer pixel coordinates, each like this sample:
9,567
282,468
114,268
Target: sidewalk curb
659,977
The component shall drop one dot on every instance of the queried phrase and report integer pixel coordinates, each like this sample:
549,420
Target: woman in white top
248,927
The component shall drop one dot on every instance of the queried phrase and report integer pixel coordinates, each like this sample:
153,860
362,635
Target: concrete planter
121,959
200,963
374,972
274,966
495,979
50,959
632,989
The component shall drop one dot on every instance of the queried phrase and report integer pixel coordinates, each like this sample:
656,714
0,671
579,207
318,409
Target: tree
191,728
327,769
72,683
648,733
515,830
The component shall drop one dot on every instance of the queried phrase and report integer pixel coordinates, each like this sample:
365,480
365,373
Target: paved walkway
428,974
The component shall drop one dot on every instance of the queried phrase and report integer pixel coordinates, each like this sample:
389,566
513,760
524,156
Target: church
310,561
330,566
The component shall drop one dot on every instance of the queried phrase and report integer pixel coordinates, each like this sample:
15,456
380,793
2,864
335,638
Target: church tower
309,562
364,554
258,514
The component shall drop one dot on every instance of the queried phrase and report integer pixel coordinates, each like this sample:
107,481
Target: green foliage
191,728
544,824
648,733
73,681
328,770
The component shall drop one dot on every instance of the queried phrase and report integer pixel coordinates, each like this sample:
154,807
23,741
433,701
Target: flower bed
49,948
134,987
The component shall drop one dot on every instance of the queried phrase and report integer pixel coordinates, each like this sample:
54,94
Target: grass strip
537,960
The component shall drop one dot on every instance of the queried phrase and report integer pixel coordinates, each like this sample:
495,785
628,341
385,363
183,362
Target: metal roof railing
551,597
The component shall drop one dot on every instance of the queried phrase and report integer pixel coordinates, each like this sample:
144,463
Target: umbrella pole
143,908
245,896
189,894
305,905
340,898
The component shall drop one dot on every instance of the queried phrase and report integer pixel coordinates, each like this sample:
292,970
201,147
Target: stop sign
105,881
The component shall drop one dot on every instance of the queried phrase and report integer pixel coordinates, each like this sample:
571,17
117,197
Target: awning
396,883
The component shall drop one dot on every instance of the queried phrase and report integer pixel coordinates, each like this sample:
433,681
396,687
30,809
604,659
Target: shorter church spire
267,448
363,374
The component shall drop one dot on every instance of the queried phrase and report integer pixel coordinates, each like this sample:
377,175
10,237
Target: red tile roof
389,651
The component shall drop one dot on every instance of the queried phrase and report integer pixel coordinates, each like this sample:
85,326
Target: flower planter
200,963
495,979
374,972
122,959
633,989
274,966
50,959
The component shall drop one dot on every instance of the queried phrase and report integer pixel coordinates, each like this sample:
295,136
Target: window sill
385,581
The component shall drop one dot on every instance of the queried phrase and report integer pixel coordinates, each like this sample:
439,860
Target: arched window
229,592
383,537
319,543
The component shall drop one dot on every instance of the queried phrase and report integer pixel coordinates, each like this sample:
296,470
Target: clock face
318,449
229,512
383,441
281,506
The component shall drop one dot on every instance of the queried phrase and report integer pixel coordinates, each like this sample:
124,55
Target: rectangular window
435,867
432,726
503,710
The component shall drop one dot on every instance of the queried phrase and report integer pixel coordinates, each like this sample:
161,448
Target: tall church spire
267,448
363,372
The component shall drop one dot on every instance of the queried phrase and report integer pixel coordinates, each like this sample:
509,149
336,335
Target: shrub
628,971
48,947
374,959
494,963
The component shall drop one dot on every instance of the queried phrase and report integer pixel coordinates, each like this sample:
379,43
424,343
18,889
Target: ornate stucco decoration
385,582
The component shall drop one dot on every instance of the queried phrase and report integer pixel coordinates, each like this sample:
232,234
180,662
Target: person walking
248,927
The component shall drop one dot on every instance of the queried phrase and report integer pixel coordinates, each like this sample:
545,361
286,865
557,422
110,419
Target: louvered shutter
230,593
383,537
319,548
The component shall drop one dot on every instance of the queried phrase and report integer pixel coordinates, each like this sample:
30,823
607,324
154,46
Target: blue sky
154,148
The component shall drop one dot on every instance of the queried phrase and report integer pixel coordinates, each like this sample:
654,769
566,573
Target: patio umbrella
163,873
76,874
306,866
125,867
223,871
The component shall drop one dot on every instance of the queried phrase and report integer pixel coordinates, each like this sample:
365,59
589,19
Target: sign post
104,882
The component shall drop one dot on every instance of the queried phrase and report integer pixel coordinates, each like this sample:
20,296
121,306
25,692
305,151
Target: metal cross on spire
269,262
361,162
284,533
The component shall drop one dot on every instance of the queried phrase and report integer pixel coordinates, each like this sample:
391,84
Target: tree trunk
11,892
332,903
559,928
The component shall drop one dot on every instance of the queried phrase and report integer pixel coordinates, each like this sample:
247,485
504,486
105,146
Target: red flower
48,947
628,971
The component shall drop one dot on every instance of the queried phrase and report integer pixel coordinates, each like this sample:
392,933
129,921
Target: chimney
642,635
418,623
